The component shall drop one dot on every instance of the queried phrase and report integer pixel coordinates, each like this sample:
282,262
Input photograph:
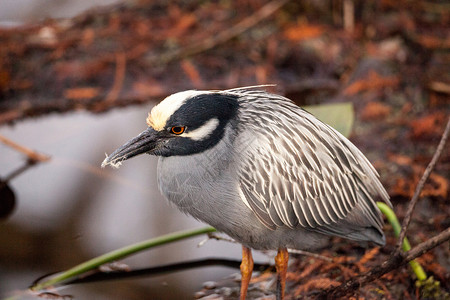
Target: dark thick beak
144,142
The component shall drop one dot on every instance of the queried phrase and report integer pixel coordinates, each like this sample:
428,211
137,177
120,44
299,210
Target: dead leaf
436,185
183,24
375,111
400,159
369,255
88,37
428,126
309,269
303,32
433,42
81,93
374,81
316,283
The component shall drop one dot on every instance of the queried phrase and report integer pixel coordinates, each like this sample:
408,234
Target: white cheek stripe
203,131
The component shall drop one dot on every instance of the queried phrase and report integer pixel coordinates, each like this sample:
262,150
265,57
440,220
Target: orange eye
177,129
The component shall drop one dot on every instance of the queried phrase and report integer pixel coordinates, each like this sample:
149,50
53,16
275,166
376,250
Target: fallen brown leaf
307,271
374,81
303,32
369,255
81,93
316,283
375,111
436,186
429,125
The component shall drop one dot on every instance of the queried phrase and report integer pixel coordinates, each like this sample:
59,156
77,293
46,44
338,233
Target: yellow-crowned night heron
259,168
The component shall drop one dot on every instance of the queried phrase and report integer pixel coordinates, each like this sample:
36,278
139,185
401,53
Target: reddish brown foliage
375,111
374,81
429,125
303,32
315,283
437,185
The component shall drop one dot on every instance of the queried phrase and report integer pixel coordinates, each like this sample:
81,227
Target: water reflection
17,12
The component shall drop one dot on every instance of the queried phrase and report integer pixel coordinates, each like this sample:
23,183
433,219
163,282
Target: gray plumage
259,168
278,177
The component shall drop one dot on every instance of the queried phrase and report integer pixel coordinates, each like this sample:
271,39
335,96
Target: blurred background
107,67
20,12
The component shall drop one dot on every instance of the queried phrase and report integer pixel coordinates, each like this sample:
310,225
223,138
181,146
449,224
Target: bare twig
16,172
427,245
315,255
119,77
349,15
217,237
440,87
420,186
223,36
32,155
396,260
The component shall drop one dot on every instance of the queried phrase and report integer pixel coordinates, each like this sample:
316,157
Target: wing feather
301,172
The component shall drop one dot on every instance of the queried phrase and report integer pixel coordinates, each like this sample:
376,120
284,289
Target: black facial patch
202,108
193,114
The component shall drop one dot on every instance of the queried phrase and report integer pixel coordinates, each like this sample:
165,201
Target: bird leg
281,263
246,270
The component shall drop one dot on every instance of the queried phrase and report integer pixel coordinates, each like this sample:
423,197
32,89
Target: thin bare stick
349,15
214,236
119,77
395,261
28,164
315,255
427,245
420,186
32,155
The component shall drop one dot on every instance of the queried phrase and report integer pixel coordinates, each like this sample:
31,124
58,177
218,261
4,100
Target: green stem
120,253
392,218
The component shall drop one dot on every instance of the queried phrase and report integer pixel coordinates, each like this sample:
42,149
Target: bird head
184,123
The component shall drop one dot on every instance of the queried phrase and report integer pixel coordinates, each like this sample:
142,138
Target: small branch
396,260
217,237
427,245
349,15
420,186
440,87
310,254
16,172
33,157
31,154
119,77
